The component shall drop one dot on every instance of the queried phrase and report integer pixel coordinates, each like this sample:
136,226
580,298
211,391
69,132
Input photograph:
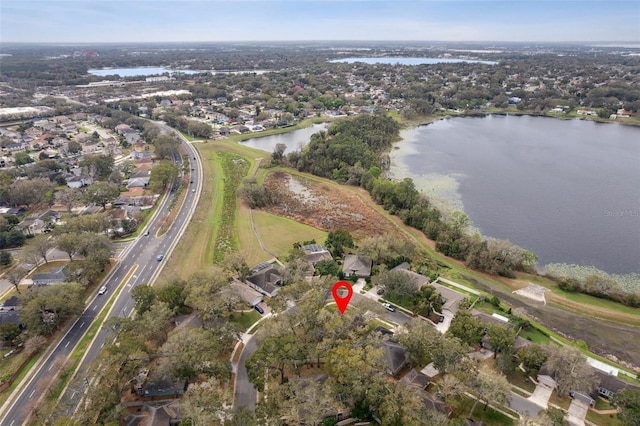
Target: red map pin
342,299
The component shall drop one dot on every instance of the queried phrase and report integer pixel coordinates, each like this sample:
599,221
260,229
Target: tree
155,321
204,403
68,197
447,354
553,417
48,306
569,367
278,153
5,258
328,267
339,241
490,387
255,195
42,247
397,285
143,296
276,353
203,289
29,192
533,357
403,405
98,166
9,331
165,146
15,275
173,294
68,243
189,352
74,147
242,417
163,175
501,339
22,158
101,193
295,270
419,340
237,265
466,327
629,402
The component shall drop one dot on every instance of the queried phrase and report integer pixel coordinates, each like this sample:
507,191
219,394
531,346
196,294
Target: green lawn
490,417
246,319
279,233
535,335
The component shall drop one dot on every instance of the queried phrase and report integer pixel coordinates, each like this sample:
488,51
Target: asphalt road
139,257
245,394
524,406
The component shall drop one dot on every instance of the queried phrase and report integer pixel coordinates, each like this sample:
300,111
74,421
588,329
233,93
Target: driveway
541,395
577,412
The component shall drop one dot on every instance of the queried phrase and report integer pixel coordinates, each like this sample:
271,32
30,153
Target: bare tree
15,276
42,248
569,368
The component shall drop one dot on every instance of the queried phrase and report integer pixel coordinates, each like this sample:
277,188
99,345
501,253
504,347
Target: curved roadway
138,265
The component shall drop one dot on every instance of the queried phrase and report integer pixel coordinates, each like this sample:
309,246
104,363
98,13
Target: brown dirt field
324,207
604,338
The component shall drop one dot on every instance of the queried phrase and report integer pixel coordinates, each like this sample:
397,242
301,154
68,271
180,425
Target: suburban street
138,265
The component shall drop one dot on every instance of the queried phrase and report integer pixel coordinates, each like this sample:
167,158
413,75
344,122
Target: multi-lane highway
138,264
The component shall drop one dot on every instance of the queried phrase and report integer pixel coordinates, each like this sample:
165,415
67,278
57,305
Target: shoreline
447,198
407,124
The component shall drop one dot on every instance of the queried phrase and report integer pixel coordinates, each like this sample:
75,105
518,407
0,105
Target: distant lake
410,61
139,71
567,190
294,140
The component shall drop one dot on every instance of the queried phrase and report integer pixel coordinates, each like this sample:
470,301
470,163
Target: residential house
395,357
416,379
9,311
55,276
224,131
357,265
138,182
122,128
609,385
79,181
31,226
316,252
163,388
265,278
15,147
487,320
132,137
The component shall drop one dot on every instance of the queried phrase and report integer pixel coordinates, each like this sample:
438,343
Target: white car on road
388,307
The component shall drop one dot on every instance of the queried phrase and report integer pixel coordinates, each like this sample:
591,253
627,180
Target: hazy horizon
202,21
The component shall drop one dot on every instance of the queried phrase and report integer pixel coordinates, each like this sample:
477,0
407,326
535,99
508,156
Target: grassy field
278,233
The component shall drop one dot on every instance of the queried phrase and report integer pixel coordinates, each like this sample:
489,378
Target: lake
410,61
139,71
567,190
294,140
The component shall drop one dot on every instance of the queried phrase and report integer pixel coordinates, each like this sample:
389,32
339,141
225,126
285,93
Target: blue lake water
567,190
294,140
410,61
139,71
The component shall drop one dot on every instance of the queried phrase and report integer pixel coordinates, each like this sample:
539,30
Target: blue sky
92,21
